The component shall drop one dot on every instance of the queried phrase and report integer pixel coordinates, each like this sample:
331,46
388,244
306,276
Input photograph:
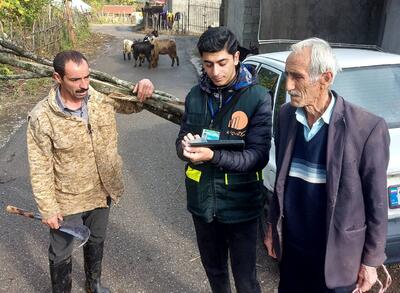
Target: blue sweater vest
305,194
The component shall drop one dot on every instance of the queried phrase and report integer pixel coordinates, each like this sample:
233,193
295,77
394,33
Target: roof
118,9
347,58
76,4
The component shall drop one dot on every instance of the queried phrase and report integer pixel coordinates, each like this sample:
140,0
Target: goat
127,48
142,50
151,36
164,47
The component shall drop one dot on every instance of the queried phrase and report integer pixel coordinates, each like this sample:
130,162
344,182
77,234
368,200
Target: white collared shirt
309,133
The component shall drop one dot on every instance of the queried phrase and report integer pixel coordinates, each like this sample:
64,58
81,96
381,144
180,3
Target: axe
79,231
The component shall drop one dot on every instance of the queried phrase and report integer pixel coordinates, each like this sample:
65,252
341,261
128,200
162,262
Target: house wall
390,39
369,22
242,18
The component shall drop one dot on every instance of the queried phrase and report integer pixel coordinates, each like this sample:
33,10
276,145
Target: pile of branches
162,104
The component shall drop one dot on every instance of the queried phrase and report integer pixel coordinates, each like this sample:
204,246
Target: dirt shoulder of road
17,97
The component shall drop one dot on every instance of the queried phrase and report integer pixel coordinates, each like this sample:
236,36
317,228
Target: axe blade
79,231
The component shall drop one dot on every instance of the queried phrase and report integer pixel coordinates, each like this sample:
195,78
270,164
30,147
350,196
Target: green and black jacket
228,188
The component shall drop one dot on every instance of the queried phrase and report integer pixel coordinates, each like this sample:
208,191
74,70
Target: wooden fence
124,18
45,34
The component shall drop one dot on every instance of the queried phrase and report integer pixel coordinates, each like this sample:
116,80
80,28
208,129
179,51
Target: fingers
52,222
195,154
367,277
198,154
189,136
143,89
268,241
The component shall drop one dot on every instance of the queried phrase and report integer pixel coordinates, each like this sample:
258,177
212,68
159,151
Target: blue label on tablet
209,134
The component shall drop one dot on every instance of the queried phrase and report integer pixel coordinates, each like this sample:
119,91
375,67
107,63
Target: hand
195,154
143,89
54,221
367,277
268,241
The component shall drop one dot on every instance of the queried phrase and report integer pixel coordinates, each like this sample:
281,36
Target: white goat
127,48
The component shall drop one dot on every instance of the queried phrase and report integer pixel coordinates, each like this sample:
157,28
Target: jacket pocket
194,189
244,189
74,186
355,232
193,174
64,144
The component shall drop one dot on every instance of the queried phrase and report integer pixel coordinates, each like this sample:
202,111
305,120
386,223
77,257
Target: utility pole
188,17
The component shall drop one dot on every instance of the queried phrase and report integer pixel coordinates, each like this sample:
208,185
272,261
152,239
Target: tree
24,12
68,16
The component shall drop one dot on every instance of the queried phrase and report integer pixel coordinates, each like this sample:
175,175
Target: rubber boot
93,255
60,274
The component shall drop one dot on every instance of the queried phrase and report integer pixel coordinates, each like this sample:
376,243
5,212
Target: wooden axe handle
21,212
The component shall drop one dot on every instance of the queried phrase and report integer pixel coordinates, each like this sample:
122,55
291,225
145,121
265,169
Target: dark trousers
303,273
61,244
215,240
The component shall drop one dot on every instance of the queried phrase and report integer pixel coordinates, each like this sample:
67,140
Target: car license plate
394,196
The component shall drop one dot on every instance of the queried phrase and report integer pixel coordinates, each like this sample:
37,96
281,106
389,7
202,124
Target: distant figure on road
328,216
75,167
225,190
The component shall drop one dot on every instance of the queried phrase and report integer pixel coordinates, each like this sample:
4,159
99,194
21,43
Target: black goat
142,50
244,51
151,36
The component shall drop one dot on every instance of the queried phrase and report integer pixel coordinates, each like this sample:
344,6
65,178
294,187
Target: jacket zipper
214,196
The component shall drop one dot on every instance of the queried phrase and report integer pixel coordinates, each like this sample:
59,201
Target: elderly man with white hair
328,220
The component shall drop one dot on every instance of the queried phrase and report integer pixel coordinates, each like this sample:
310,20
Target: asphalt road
151,244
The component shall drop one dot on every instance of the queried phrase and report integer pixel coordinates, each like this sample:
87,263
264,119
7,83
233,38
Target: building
274,24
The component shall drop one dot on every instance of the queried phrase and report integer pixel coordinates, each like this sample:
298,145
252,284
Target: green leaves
22,11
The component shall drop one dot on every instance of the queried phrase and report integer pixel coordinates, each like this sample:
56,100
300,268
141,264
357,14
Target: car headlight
394,196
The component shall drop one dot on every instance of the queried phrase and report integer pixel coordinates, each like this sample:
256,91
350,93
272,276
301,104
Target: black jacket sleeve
182,132
258,142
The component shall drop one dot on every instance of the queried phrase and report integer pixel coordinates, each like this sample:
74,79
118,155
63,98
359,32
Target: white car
370,79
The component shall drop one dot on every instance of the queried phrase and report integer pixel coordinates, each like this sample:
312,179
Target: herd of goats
151,47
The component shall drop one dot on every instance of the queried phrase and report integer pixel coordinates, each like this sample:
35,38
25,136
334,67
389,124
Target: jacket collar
245,76
54,105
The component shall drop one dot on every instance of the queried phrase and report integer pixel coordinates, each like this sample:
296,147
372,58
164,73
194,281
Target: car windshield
375,88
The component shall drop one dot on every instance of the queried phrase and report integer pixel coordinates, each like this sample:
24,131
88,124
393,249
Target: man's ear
57,77
236,58
326,78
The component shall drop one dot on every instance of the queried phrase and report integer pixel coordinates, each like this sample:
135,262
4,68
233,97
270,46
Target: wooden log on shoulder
160,104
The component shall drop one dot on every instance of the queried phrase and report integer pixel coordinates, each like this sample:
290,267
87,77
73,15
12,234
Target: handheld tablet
234,144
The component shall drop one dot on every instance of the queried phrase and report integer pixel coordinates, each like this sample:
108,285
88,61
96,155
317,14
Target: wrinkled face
220,66
75,83
302,89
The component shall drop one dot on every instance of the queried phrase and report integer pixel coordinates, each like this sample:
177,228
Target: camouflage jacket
75,166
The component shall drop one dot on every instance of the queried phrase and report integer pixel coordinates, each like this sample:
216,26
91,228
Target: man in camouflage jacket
74,164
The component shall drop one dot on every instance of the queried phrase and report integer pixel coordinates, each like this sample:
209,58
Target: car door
274,80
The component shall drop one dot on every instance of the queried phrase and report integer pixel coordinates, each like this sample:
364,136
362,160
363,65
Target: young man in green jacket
225,186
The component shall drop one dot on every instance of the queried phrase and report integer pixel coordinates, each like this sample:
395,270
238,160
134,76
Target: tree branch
161,103
21,76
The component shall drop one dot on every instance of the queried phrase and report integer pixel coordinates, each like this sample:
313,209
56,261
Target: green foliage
4,70
82,31
22,11
82,28
99,3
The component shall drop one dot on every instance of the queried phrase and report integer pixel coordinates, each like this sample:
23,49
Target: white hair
322,57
